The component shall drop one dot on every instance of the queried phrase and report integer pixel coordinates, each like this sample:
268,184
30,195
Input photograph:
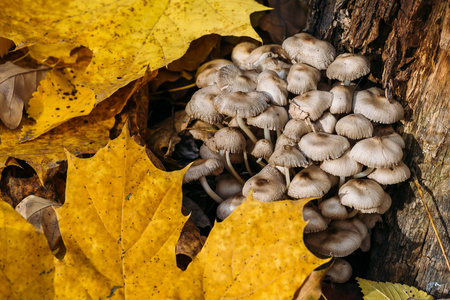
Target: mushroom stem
230,166
341,180
247,131
247,166
267,135
260,162
288,177
209,191
347,82
353,213
310,124
219,125
363,173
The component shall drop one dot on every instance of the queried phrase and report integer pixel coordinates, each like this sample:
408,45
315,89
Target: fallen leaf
26,263
373,290
82,135
17,84
53,54
120,224
40,213
5,46
312,287
256,253
126,37
189,244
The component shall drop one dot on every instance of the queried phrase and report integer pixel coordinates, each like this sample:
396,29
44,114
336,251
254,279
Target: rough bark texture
408,44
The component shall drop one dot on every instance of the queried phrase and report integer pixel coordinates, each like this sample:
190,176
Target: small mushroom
201,105
202,168
340,272
332,208
268,185
302,78
272,119
386,131
311,105
309,182
269,83
342,99
361,194
273,64
206,73
341,238
344,166
304,48
391,175
231,79
263,52
316,222
354,126
240,53
348,67
295,129
227,185
326,123
374,106
377,152
288,157
323,146
229,205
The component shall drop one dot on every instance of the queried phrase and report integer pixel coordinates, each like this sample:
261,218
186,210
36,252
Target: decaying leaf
5,46
256,253
40,213
120,224
312,287
26,263
189,244
126,36
386,290
17,84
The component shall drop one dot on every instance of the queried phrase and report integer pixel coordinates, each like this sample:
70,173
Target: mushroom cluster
293,116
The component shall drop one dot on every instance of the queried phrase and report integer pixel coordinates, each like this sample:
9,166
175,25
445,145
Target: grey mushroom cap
302,78
276,88
304,48
230,139
206,73
376,107
201,105
205,153
383,208
316,222
240,104
348,66
203,167
273,118
361,194
354,126
323,146
311,104
341,238
343,166
273,64
288,156
227,185
295,129
340,272
342,99
262,149
284,140
332,208
262,52
240,53
268,185
391,175
377,152
231,79
309,182
326,123
229,205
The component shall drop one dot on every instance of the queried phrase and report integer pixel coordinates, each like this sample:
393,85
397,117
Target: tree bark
408,43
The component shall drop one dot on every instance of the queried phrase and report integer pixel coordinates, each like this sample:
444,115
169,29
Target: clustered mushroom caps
302,138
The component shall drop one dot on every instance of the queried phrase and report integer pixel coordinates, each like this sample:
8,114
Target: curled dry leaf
17,84
40,213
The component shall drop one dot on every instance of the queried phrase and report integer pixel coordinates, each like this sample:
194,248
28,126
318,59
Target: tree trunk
408,42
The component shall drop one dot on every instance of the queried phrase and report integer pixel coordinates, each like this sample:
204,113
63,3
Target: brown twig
416,182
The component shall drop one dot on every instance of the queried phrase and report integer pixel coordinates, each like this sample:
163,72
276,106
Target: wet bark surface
408,44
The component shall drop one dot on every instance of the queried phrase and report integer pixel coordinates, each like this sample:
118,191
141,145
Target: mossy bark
408,42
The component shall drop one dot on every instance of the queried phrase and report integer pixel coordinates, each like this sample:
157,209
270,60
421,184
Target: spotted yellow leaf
373,290
26,263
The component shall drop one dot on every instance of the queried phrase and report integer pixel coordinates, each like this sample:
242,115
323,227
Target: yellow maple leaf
120,223
256,253
373,290
26,263
125,36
